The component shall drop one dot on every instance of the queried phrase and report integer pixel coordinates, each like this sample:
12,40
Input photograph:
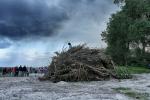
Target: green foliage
128,33
122,73
118,1
138,70
116,37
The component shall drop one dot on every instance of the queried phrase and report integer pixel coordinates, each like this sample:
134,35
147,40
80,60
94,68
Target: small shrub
122,73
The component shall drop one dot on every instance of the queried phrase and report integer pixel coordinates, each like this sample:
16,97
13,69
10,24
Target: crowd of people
22,71
15,71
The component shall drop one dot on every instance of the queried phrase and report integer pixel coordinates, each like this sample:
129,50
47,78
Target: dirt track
29,88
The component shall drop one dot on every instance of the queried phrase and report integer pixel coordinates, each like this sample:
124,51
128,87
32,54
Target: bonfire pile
80,63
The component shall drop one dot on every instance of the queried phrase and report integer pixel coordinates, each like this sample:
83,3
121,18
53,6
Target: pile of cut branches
80,63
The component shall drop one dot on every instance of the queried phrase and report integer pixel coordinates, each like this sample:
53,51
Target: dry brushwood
80,63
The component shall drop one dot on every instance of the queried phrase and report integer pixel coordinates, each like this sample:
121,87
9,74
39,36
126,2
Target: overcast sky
31,30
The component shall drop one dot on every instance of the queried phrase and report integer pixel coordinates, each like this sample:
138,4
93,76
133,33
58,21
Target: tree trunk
143,48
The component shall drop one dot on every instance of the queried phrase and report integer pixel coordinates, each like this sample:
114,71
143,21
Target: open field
29,88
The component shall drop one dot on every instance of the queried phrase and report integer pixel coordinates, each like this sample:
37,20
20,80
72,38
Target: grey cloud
23,18
75,21
5,43
88,19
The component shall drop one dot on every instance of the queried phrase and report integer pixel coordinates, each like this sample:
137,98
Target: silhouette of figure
17,71
4,71
70,46
20,71
24,70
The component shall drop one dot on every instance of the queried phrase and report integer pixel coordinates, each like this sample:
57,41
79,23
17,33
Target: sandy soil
29,88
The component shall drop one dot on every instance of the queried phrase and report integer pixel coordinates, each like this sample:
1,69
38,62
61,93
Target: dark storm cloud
21,19
75,21
24,18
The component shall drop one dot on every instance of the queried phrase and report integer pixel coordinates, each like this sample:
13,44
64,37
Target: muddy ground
29,88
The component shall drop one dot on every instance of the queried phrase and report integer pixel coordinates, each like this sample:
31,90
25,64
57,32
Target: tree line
128,33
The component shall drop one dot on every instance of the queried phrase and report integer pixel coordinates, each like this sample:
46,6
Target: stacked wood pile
80,63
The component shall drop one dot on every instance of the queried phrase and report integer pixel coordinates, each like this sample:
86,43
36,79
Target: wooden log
61,72
95,70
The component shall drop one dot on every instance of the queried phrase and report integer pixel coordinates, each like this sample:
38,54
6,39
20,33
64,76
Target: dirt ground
29,88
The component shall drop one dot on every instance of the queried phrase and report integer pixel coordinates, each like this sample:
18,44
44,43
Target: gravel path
29,88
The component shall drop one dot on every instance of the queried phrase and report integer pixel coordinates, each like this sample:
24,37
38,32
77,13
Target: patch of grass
136,95
138,70
121,89
132,94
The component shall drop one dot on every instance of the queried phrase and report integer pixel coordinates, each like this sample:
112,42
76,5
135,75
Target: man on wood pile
70,46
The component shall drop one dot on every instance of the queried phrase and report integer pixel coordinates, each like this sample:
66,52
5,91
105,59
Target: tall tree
127,28
116,37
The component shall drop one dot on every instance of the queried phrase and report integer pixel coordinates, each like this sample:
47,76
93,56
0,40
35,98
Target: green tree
116,37
128,31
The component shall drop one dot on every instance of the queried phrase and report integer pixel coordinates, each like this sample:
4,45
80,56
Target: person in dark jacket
4,71
24,70
20,71
17,71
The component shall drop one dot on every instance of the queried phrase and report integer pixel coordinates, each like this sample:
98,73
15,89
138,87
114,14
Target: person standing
70,45
4,71
24,71
17,71
13,71
20,71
